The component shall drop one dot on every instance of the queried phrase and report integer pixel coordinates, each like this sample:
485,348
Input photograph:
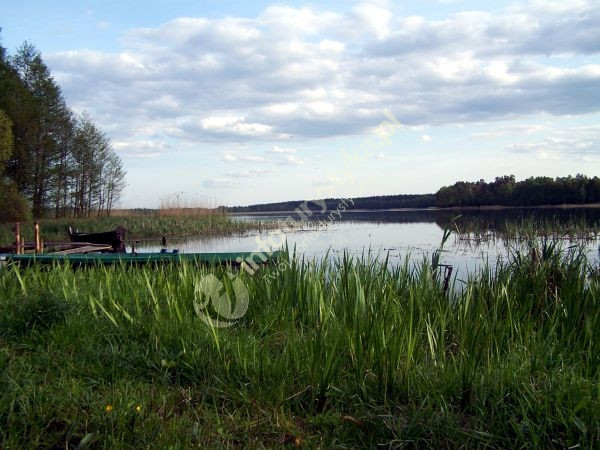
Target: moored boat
115,238
90,259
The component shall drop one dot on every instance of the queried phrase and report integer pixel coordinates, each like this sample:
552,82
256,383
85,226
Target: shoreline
433,208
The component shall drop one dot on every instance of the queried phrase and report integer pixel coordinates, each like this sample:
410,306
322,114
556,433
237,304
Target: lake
399,234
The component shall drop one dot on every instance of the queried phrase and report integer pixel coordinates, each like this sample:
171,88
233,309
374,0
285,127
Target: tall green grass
343,352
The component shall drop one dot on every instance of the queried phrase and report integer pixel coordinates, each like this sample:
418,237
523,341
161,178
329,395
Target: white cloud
579,142
103,25
218,183
291,160
250,173
233,125
255,158
374,19
238,157
426,138
514,130
292,22
311,73
278,149
146,155
141,149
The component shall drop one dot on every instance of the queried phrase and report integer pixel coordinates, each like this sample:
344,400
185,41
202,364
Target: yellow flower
108,408
138,408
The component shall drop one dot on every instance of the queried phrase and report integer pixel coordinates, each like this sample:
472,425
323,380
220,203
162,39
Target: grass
138,226
342,353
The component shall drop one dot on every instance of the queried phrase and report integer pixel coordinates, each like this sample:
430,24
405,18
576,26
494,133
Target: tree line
374,202
53,162
503,191
506,191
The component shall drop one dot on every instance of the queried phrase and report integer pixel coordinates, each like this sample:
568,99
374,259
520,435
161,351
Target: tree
61,163
6,140
62,171
42,142
532,191
113,182
14,206
98,173
17,103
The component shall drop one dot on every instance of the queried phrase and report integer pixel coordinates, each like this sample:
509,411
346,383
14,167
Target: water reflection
400,234
469,218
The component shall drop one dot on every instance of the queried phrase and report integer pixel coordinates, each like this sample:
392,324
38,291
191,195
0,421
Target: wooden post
17,238
447,275
36,237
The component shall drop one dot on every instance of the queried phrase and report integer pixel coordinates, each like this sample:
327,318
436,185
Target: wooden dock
58,248
84,247
76,246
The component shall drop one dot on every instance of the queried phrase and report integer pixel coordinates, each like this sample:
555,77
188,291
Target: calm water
399,234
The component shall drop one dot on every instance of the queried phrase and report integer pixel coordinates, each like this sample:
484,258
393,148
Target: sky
235,103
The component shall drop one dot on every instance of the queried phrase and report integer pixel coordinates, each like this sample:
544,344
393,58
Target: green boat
91,259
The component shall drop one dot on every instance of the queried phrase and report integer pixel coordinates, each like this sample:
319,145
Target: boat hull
115,238
145,258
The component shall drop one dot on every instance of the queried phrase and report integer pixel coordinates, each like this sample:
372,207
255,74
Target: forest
503,191
53,161
377,202
534,191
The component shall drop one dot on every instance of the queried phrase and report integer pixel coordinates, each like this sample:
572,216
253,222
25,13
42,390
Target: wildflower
138,408
108,408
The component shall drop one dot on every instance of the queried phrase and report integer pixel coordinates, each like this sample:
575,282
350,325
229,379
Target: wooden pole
17,238
36,237
447,275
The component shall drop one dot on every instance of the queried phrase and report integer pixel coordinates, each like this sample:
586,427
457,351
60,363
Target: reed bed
526,229
140,226
344,352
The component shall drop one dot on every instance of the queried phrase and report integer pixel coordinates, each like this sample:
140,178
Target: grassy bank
348,353
138,227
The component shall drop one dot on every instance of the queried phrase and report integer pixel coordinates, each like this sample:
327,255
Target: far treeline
380,202
503,191
53,162
534,191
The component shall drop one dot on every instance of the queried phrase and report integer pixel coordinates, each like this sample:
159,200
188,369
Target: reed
179,204
140,226
477,230
342,352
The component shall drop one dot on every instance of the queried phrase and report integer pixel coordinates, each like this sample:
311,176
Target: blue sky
249,102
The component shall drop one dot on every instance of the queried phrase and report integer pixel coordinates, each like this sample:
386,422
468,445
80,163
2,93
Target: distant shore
432,208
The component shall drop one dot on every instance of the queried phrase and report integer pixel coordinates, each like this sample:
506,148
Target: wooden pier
38,246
